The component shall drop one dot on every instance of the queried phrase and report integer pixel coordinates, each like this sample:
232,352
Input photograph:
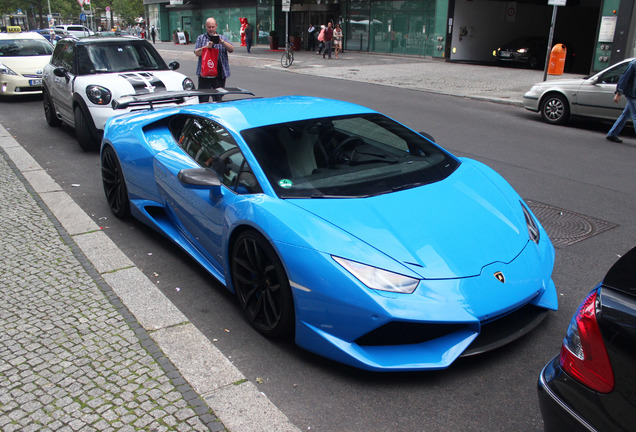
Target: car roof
91,40
21,35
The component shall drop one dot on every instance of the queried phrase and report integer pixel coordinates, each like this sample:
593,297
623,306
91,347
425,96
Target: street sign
557,2
82,17
81,2
286,5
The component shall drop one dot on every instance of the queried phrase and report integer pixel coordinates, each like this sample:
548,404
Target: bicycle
288,56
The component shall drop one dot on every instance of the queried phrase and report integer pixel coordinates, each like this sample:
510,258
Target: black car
591,385
531,52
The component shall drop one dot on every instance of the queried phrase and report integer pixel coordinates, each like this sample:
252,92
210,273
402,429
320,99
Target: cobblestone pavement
72,358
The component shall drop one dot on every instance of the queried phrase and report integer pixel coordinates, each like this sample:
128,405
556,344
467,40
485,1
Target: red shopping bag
209,62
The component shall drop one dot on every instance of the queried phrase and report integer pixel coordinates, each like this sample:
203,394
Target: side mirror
200,178
427,135
174,65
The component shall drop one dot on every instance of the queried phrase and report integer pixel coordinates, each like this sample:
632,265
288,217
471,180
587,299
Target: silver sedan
591,97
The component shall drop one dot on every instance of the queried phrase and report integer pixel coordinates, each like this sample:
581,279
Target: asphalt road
572,167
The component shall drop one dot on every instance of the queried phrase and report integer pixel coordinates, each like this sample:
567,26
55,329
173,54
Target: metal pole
547,55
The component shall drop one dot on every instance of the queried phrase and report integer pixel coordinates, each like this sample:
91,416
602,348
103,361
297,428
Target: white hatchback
85,75
76,30
22,59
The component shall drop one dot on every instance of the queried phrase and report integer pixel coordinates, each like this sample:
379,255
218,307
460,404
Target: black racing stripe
144,82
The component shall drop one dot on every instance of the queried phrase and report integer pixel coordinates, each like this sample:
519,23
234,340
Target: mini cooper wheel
83,132
555,109
49,110
114,184
261,285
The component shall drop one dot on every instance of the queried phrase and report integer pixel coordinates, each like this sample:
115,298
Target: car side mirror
61,72
594,81
427,135
174,65
199,178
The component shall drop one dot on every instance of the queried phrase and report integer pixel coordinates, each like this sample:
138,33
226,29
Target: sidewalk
87,342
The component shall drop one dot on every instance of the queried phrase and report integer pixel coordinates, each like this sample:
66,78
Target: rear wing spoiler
171,97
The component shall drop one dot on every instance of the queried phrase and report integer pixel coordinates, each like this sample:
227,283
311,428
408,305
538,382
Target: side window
210,145
63,56
613,75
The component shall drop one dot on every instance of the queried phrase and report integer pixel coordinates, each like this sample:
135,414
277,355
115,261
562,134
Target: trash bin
557,60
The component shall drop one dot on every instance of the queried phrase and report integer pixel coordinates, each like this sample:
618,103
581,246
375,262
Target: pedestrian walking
626,86
321,39
328,38
249,36
220,45
153,33
337,39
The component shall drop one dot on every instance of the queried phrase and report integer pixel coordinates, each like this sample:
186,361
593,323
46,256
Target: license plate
35,82
505,54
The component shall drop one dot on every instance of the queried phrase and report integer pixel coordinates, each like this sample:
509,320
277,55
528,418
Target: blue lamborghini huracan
363,239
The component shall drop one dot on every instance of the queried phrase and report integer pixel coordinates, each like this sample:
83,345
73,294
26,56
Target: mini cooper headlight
5,70
188,84
98,95
533,229
379,279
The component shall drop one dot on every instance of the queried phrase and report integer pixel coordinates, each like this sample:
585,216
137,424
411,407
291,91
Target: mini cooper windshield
344,157
120,56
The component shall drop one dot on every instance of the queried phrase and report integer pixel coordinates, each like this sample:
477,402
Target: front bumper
11,85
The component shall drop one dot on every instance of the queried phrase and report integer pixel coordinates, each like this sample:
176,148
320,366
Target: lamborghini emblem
500,277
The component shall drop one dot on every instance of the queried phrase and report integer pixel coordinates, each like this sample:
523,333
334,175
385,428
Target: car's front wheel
555,109
114,183
83,132
49,110
261,285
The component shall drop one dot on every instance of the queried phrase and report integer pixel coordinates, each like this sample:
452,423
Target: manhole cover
565,227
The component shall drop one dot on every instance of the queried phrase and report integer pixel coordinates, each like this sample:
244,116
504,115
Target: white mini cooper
85,75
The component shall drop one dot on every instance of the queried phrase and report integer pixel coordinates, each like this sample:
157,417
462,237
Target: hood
31,65
445,230
136,82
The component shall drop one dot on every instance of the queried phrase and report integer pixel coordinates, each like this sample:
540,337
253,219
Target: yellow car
22,59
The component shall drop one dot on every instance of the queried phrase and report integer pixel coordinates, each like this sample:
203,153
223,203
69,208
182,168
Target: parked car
591,385
331,222
84,75
22,59
75,30
58,34
592,96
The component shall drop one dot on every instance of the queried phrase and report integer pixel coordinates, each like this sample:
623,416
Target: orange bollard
557,60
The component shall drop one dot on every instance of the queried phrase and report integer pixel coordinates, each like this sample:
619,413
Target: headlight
379,279
188,84
533,229
98,95
5,70
522,50
535,89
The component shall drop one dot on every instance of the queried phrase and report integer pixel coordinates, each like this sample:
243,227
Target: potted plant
273,40
296,40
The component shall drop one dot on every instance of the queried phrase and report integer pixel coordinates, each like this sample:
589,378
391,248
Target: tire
287,59
262,286
49,110
83,132
555,109
114,184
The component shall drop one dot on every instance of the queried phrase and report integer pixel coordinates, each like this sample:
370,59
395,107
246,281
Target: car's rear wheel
114,183
261,285
555,109
83,132
49,110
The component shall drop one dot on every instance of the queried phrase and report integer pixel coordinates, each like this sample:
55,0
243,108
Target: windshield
25,48
119,56
344,157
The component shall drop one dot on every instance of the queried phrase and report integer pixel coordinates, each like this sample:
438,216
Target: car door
200,213
596,95
61,88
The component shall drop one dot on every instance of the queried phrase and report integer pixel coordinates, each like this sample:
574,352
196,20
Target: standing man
153,33
249,36
209,39
627,86
311,40
328,38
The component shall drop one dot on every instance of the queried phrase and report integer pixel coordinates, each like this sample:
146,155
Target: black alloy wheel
114,184
262,286
49,110
83,132
555,109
